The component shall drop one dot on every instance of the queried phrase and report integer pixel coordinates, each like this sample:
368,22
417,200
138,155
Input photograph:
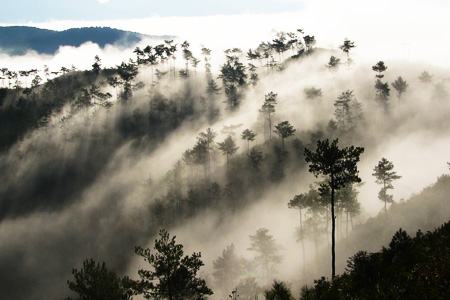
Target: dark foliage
95,282
410,268
173,276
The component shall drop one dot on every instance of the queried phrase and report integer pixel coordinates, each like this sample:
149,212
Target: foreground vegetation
410,268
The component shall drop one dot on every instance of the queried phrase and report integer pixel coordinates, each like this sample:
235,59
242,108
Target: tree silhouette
280,45
313,94
384,176
187,54
346,47
228,147
284,130
400,86
139,55
170,53
310,41
382,88
379,67
227,269
294,43
345,116
266,251
97,65
127,73
268,109
95,281
265,51
35,83
339,167
425,77
255,157
172,276
253,74
248,288
333,63
300,202
234,80
349,205
278,291
208,139
249,136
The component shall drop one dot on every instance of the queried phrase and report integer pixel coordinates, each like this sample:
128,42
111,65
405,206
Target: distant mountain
17,40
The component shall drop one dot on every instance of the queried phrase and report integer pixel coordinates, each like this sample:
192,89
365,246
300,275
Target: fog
108,214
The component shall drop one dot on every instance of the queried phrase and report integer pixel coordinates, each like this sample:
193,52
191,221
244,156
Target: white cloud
103,1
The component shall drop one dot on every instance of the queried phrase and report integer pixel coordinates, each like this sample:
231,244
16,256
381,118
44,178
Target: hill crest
17,40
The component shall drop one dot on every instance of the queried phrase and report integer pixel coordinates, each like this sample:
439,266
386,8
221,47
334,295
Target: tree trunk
351,220
328,226
333,228
346,226
385,200
169,285
270,127
316,242
303,242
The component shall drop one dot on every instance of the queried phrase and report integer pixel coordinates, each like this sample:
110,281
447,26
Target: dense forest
260,162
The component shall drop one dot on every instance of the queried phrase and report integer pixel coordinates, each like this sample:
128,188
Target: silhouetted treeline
409,268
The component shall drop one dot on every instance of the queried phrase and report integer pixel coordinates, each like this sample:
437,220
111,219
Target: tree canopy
95,282
173,276
385,175
339,166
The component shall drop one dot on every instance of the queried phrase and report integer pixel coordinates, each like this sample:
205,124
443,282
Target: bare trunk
328,226
333,229
303,242
351,220
270,127
346,226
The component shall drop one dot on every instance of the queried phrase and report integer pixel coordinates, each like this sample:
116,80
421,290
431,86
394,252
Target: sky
47,10
387,30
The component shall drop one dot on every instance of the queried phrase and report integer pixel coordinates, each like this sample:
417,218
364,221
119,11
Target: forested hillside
17,40
262,158
409,268
424,211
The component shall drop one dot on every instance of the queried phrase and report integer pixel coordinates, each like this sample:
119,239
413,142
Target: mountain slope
17,40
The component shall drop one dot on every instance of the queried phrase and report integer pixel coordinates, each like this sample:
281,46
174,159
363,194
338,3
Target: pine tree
266,251
400,86
284,130
339,167
385,176
173,276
